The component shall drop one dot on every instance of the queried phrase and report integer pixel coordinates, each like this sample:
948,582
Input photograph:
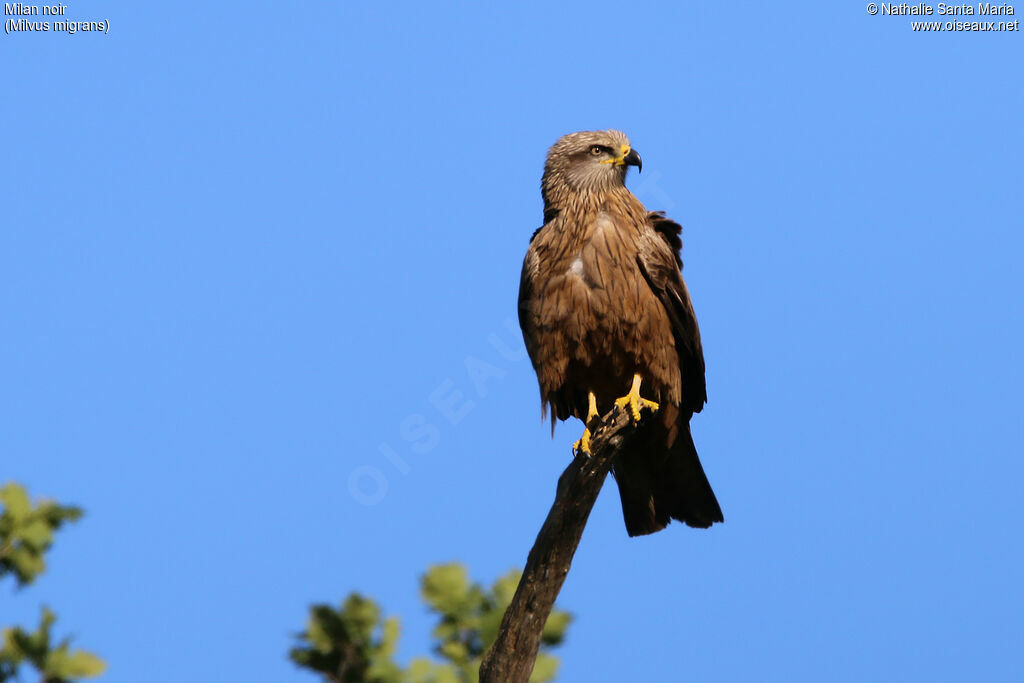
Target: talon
635,401
582,445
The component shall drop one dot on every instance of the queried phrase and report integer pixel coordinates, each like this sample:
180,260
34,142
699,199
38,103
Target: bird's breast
576,267
594,282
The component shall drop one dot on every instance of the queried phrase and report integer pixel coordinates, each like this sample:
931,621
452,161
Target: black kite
606,316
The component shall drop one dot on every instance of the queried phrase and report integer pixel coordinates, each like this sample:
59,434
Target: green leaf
10,653
67,665
81,664
505,587
15,500
317,628
555,628
454,651
445,587
26,532
26,563
419,670
56,514
37,534
359,616
545,669
389,638
445,674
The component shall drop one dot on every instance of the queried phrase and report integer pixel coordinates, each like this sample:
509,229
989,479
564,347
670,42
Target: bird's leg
582,446
635,401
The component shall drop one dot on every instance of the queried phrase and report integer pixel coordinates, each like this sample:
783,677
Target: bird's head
589,161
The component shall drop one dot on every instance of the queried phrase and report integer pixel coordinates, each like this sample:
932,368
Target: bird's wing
548,362
527,319
660,262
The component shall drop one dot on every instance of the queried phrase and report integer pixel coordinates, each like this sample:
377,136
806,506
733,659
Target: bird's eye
596,151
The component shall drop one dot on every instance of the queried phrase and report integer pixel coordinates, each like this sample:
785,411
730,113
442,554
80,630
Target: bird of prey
607,320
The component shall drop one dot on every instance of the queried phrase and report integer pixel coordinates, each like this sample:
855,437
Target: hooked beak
633,159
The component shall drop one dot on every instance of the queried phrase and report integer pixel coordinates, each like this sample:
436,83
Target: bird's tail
659,484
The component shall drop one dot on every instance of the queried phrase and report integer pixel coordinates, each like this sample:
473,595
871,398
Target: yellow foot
582,445
635,401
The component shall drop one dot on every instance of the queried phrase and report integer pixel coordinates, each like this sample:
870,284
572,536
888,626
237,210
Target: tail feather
659,482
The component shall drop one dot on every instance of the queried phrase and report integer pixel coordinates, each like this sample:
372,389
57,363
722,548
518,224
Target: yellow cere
620,160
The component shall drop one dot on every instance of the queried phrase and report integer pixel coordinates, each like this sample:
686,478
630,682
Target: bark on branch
511,658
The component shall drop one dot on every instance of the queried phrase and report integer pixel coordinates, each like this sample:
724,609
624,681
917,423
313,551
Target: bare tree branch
511,658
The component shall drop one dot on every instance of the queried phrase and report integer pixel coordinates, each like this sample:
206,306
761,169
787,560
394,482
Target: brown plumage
602,299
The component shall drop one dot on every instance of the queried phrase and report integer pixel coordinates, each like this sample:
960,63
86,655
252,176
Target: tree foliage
355,644
26,533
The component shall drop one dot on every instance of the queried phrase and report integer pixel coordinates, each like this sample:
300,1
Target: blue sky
250,250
